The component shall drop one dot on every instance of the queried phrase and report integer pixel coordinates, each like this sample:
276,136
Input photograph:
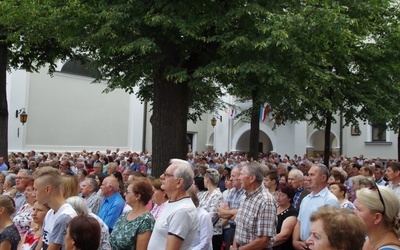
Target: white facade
68,112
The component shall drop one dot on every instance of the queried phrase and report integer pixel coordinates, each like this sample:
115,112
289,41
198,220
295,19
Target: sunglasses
380,197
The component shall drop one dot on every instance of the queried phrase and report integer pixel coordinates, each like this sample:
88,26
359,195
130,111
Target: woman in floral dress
133,229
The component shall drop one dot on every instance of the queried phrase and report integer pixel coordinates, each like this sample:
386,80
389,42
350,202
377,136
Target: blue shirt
309,205
111,209
3,167
135,167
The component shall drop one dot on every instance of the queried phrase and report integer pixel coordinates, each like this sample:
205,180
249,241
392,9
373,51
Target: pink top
157,209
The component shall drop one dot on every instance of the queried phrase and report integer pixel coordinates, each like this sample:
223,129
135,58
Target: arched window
76,67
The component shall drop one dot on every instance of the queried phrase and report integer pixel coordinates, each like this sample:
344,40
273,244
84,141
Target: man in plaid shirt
256,219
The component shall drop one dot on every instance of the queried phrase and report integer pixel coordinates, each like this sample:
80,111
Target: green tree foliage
27,42
311,60
158,46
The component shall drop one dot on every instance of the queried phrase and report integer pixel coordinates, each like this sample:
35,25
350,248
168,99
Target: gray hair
238,166
256,169
363,181
183,171
298,173
212,175
79,205
323,170
92,182
10,179
28,173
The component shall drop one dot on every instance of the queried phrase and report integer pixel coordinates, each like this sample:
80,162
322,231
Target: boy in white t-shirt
48,190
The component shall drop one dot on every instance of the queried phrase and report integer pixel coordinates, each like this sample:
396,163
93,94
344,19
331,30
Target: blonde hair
49,176
390,211
70,185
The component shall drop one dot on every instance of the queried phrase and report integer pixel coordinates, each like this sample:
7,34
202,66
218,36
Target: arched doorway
316,142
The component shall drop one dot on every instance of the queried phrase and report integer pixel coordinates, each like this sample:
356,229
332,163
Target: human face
130,196
268,183
365,214
21,181
38,213
168,181
228,183
336,191
362,171
86,188
378,174
69,243
63,166
282,199
125,176
390,174
97,169
294,181
245,178
158,196
235,173
106,187
81,176
307,182
109,170
318,239
2,179
332,180
28,195
316,178
41,191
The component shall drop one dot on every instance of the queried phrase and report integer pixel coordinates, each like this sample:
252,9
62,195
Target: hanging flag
265,113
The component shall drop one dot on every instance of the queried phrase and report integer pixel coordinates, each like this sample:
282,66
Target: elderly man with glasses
177,225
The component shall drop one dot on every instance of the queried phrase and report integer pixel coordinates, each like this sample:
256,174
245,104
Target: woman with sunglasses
379,208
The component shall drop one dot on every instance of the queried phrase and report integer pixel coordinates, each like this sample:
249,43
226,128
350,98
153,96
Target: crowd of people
93,200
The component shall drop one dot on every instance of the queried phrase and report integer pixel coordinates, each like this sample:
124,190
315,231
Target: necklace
283,210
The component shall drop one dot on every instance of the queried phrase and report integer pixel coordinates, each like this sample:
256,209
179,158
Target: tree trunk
169,123
327,144
254,126
3,101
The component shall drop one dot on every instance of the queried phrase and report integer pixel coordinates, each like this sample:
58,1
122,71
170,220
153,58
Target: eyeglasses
167,175
380,197
128,192
21,178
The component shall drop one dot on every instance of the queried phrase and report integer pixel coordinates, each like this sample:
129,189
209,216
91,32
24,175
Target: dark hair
342,188
84,172
85,231
199,182
144,188
273,175
395,165
287,189
338,176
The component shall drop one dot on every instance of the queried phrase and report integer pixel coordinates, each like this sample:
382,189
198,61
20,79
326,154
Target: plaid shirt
297,196
233,200
94,202
256,217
